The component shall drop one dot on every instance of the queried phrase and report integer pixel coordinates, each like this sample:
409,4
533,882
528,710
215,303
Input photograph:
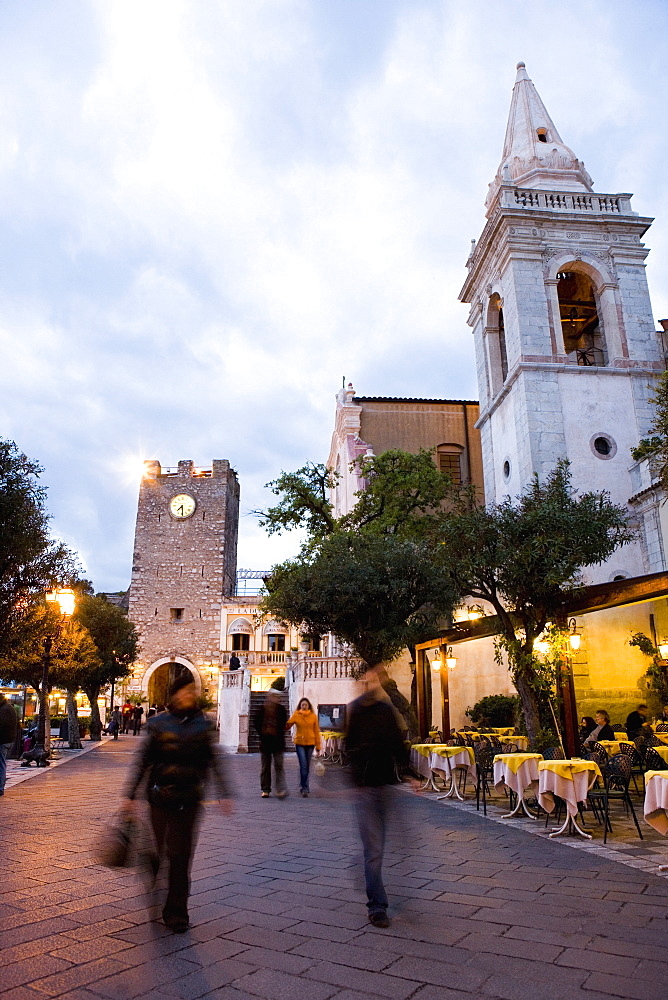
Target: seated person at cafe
635,721
603,730
587,726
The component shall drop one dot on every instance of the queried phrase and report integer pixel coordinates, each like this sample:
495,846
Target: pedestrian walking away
126,713
179,750
270,721
115,723
377,753
137,713
8,726
307,738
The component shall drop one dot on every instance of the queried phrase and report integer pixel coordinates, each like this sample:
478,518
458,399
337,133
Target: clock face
182,506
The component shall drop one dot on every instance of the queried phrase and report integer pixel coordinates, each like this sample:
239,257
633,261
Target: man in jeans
270,721
376,748
8,726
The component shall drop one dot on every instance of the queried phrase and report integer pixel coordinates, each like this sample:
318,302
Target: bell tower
566,349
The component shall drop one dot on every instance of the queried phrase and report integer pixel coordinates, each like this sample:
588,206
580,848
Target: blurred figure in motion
377,753
179,748
270,721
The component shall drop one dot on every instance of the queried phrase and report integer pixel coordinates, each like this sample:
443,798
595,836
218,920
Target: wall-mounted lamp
437,662
574,638
450,659
475,612
663,649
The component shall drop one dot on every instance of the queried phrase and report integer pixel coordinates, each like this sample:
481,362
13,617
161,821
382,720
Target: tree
523,557
657,672
377,594
72,655
117,644
655,448
30,561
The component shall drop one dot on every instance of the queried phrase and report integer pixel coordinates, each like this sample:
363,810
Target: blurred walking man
179,748
377,752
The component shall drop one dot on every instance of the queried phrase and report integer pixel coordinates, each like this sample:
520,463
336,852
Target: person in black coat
235,662
587,725
8,725
377,753
635,721
270,721
179,750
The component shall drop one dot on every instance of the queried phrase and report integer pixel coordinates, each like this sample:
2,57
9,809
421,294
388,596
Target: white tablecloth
447,762
526,772
656,800
572,789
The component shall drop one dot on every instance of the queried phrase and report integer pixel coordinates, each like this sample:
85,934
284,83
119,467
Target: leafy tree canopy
378,594
30,561
524,555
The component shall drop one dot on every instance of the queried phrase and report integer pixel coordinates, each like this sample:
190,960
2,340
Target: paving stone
275,917
279,986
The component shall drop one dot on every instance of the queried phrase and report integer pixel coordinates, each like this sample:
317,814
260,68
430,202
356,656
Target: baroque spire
534,154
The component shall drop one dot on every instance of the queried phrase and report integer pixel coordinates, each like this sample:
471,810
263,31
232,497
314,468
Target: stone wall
183,567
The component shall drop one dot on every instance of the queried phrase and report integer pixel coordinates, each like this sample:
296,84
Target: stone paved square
479,908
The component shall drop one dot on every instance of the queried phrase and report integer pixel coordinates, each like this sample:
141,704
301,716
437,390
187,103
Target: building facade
566,348
184,563
369,425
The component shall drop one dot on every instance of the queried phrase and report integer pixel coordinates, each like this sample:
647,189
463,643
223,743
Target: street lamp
65,599
574,638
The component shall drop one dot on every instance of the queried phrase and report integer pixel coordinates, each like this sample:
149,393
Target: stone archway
160,675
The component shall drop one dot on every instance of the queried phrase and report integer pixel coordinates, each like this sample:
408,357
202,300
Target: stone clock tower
184,563
566,348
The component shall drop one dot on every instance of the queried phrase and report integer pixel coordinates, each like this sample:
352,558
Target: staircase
256,700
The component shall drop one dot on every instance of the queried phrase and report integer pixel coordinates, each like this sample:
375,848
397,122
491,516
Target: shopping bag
113,848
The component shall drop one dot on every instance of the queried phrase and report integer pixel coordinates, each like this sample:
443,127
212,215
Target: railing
263,657
232,678
616,204
328,668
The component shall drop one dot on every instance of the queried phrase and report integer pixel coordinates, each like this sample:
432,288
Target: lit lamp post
444,662
64,598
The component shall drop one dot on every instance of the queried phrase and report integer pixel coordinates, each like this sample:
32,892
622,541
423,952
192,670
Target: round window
506,470
603,446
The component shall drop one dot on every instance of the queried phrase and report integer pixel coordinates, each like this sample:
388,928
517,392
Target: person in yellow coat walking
307,738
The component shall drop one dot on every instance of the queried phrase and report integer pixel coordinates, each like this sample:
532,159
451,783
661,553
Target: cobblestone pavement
479,909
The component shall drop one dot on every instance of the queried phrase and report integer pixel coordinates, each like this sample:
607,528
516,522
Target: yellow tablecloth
516,770
515,760
656,800
445,751
569,780
611,746
424,749
663,737
502,730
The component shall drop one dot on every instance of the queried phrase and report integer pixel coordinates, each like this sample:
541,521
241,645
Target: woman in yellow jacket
307,739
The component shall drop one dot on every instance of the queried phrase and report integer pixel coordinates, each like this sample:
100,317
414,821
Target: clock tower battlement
184,563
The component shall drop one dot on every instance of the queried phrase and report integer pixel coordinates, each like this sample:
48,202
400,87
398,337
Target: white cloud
213,211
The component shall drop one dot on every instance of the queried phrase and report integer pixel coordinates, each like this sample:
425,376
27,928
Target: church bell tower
566,348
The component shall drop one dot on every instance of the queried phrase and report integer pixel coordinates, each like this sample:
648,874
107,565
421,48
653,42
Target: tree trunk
530,709
73,735
95,721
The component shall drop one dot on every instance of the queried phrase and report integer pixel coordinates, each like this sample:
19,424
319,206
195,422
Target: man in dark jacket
635,721
179,750
8,726
269,721
377,753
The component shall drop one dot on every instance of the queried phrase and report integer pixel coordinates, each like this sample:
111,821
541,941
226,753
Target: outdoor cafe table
447,759
429,757
517,771
521,742
612,746
662,752
656,803
569,780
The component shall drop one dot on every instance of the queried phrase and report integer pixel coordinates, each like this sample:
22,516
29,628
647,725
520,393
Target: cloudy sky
213,210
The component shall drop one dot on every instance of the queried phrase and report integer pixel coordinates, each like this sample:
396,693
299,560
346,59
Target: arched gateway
161,675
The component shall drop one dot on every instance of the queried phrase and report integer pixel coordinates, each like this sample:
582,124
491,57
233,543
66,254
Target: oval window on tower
603,446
